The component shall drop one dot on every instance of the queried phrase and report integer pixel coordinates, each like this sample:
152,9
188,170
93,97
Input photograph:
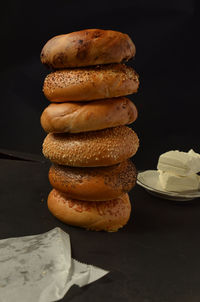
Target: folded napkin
39,268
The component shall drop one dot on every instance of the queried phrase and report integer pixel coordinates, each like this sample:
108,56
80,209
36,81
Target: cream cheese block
176,183
179,163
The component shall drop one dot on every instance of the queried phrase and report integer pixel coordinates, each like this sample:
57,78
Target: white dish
149,181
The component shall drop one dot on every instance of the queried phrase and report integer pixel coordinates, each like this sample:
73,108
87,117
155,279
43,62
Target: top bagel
87,47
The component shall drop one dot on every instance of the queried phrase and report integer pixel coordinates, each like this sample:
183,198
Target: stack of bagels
87,142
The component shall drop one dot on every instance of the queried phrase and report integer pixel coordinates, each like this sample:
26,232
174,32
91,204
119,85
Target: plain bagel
91,83
87,47
91,149
98,216
94,184
74,117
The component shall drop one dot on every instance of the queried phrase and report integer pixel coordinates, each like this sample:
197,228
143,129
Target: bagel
91,149
98,216
94,184
87,47
91,83
76,117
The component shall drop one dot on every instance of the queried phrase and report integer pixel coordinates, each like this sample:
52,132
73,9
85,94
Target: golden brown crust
87,47
91,83
74,117
94,184
91,149
98,216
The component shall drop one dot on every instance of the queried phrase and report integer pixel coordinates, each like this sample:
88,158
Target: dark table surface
155,257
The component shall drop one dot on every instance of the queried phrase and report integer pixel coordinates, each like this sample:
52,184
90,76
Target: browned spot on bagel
60,58
83,49
97,34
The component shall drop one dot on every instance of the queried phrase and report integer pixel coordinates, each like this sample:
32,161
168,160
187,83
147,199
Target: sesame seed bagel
94,184
91,83
91,149
98,216
87,47
74,117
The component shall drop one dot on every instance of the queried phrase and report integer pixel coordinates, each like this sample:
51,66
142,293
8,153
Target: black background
166,35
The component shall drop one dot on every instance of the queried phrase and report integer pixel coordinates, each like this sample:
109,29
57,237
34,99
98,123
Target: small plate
149,180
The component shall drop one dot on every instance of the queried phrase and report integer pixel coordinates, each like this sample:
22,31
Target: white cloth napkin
39,268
